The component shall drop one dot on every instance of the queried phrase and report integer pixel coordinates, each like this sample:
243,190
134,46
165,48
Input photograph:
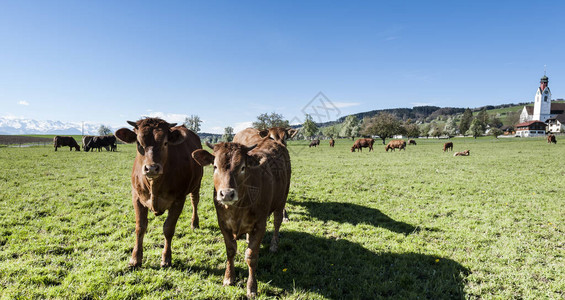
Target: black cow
61,141
106,141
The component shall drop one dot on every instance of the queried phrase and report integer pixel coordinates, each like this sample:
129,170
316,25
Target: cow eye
166,143
140,149
242,169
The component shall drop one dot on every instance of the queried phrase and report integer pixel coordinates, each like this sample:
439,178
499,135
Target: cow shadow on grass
340,269
354,214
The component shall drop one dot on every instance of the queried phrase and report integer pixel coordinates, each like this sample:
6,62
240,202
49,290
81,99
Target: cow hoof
165,264
228,281
286,220
251,294
134,263
195,224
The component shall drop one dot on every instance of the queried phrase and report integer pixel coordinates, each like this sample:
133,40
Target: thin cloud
169,117
421,103
241,125
24,103
345,104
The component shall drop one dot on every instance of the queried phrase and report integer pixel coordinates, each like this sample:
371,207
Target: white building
553,114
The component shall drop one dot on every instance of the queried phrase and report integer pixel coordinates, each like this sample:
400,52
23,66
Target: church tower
542,103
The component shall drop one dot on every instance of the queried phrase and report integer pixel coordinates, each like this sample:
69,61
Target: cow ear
125,135
264,133
176,136
291,132
171,125
203,157
133,124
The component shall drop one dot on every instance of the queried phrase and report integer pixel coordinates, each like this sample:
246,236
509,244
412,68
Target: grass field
416,224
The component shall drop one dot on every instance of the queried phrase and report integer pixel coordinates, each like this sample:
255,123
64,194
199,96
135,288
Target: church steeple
542,103
543,82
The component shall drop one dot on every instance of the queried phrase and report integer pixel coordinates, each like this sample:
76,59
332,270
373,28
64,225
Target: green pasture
414,224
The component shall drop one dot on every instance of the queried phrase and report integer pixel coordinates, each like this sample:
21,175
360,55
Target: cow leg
231,249
277,220
169,231
285,216
195,199
140,229
252,257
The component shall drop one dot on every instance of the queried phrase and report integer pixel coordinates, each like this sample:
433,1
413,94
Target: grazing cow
314,143
332,142
250,183
97,142
462,153
551,139
85,140
448,146
412,142
396,144
62,141
252,136
363,143
164,172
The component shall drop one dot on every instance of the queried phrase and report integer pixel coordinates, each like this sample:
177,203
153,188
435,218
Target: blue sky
111,61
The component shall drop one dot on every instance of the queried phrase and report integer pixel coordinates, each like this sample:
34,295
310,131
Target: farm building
530,129
552,113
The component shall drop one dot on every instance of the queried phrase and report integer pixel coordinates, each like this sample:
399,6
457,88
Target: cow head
278,134
153,137
232,163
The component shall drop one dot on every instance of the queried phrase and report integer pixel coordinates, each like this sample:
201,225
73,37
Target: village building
549,112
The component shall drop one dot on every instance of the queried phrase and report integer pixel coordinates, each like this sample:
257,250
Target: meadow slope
413,224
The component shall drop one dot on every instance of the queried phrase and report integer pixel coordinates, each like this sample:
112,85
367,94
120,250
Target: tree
412,130
495,122
476,128
309,128
104,130
513,117
228,134
350,127
451,127
266,121
495,132
331,131
425,131
483,117
385,125
193,123
465,121
437,131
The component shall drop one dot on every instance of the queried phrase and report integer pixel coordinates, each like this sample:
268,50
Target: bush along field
414,224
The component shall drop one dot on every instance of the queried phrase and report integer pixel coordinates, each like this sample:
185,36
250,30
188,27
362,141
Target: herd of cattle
251,181
89,142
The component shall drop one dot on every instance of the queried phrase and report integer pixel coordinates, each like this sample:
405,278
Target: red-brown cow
363,143
61,141
448,146
462,153
250,183
252,136
551,139
332,143
314,143
396,144
164,172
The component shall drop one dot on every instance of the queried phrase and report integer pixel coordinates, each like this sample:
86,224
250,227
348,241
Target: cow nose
227,195
151,170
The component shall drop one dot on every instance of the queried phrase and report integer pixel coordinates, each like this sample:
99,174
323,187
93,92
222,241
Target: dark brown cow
551,139
85,140
396,144
448,146
163,174
252,136
62,141
412,142
314,143
363,143
462,153
332,143
250,183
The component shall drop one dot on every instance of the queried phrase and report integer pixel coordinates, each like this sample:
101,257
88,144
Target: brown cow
412,142
252,136
62,141
163,174
551,139
448,146
396,144
363,143
332,142
462,153
250,183
314,143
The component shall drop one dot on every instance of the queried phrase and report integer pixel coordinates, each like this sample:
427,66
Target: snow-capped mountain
26,126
